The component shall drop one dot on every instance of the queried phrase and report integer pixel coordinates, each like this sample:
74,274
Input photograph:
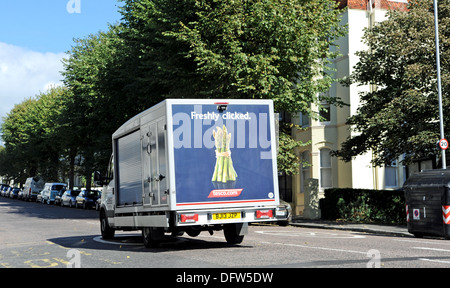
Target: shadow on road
133,242
44,211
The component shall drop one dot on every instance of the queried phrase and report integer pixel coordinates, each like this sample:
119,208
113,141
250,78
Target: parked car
98,202
5,191
69,197
39,197
14,193
20,195
283,213
87,198
58,197
3,186
51,190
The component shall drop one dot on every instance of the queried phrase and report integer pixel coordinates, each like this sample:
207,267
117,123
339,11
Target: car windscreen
75,193
58,187
91,194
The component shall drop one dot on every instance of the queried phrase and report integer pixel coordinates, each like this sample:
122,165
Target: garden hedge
364,205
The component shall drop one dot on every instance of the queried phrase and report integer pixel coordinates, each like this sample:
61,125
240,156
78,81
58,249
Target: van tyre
107,232
151,237
231,234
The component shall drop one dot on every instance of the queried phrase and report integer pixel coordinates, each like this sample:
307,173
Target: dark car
87,198
14,193
69,198
5,191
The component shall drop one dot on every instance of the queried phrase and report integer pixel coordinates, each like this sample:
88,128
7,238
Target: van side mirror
101,180
97,176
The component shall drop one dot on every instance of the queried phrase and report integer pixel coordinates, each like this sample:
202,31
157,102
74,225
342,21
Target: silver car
69,198
283,213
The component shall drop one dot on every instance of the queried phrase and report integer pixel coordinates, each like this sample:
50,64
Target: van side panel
129,178
224,158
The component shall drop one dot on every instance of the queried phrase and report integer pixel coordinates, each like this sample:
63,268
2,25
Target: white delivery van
32,187
192,166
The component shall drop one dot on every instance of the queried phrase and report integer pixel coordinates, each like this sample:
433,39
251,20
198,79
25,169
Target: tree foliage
400,117
261,49
265,49
31,145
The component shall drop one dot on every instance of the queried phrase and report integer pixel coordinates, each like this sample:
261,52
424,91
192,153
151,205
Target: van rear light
264,214
187,218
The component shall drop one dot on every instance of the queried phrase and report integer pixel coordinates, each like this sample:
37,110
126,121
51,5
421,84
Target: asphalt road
44,236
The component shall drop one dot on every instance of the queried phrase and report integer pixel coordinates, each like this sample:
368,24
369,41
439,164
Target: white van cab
51,190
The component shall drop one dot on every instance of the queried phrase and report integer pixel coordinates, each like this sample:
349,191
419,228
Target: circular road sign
443,143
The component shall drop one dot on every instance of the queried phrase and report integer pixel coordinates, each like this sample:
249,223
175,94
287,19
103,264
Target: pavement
393,230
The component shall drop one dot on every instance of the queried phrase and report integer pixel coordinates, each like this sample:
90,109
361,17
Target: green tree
16,157
97,104
265,49
400,117
31,146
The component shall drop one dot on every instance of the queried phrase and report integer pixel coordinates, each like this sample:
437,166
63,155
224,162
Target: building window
392,175
325,115
285,186
306,170
304,120
325,169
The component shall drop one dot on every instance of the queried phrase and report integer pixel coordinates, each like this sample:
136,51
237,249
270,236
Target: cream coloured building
325,171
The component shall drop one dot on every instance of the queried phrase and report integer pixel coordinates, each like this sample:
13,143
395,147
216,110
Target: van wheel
151,237
107,232
231,234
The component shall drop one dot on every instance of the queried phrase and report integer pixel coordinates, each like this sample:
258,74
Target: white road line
329,235
432,249
437,242
315,247
438,261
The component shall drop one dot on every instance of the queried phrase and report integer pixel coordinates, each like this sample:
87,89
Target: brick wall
376,4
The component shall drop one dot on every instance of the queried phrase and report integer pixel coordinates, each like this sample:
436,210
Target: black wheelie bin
428,203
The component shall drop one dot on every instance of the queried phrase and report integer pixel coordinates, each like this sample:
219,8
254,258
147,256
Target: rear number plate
224,216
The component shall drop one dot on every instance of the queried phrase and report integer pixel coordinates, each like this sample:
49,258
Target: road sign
443,143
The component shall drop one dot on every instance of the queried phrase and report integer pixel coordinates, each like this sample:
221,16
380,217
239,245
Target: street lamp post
438,67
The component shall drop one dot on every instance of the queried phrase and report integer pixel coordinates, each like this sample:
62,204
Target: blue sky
48,26
34,37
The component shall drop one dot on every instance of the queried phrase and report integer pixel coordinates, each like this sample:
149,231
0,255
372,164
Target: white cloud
25,73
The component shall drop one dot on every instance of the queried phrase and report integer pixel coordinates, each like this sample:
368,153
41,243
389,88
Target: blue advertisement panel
222,156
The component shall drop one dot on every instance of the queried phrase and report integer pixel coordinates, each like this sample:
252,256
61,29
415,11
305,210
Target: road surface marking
330,235
438,261
432,249
315,247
